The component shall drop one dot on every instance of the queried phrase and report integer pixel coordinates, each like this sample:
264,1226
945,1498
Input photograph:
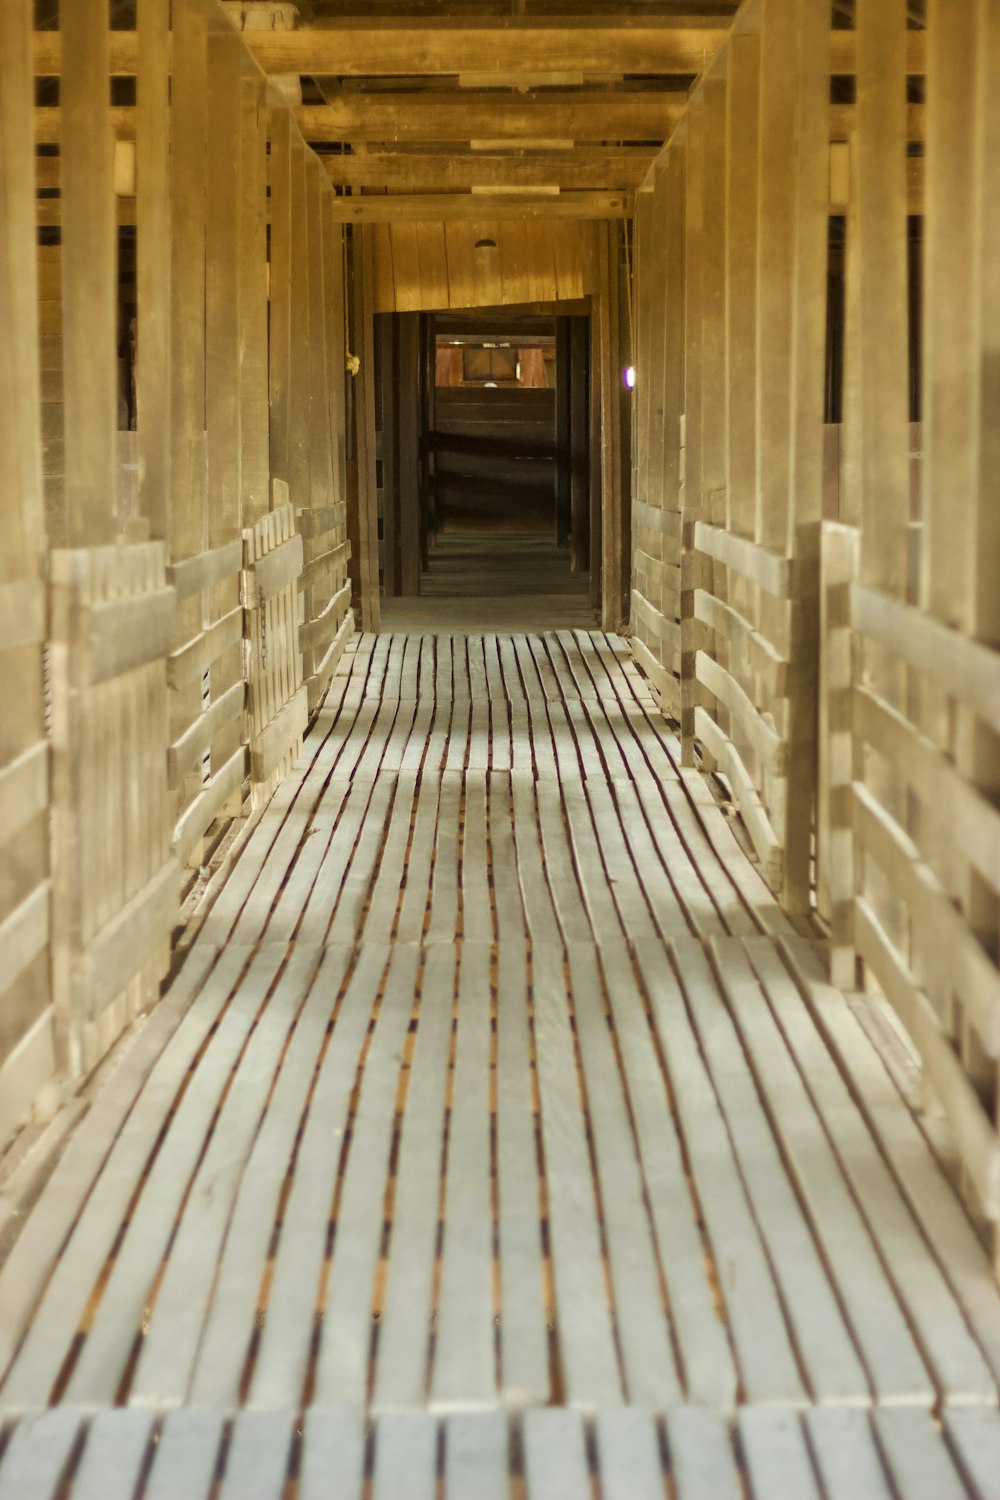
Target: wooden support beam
89,280
366,519
223,366
433,208
563,516
280,325
407,473
579,446
153,252
189,135
495,46
431,118
255,481
583,169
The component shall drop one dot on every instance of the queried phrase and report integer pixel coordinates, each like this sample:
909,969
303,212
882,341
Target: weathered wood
153,379
89,274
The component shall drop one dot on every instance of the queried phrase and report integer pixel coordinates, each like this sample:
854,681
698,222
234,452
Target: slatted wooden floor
497,1103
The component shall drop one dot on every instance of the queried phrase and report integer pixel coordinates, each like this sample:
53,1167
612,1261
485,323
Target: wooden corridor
496,1103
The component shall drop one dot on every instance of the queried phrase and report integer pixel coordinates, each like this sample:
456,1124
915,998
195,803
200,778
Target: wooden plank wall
912,860
843,677
184,637
432,267
731,298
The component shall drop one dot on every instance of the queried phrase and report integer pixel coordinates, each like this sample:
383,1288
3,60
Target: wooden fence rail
150,650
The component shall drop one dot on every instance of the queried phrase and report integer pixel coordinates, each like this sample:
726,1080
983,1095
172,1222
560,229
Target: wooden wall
432,267
163,640
842,677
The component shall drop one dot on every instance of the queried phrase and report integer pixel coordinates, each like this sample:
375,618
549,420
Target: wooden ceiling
504,101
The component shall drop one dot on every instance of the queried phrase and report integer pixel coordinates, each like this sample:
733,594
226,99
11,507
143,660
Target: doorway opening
484,471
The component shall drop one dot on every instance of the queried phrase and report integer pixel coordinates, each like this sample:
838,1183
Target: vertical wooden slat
89,275
407,420
364,407
563,464
579,454
22,514
189,129
742,193
299,469
223,363
280,319
254,444
153,253
694,504
674,340
805,500
883,414
390,468
613,541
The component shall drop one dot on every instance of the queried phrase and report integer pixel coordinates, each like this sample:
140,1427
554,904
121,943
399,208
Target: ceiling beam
436,47
432,208
582,169
408,118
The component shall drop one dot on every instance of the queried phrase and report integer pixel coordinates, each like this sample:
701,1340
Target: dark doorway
484,470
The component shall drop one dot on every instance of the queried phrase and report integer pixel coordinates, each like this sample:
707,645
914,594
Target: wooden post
579,448
614,607
691,566
563,464
364,416
255,478
390,465
805,503
226,166
408,472
89,276
280,321
596,466
153,354
27,1053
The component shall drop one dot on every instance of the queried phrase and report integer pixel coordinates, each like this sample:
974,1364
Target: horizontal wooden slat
317,684
435,46
280,735
128,633
668,630
773,574
206,568
731,625
766,843
24,790
965,669
121,948
652,516
315,523
664,683
316,565
184,755
581,169
22,613
23,935
429,208
315,633
973,820
208,804
975,1137
272,573
937,924
768,746
193,659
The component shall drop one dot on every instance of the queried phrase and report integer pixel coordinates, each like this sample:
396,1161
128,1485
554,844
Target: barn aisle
499,1136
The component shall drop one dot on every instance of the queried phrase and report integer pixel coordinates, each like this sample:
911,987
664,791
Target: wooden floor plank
775,1455
960,1371
524,1354
707,1362
651,1375
403,1351
701,1459
768,1366
846,1455
586,1335
39,1454
830,1359
555,1455
345,1332
476,1457
464,1372
186,1455
332,1463
114,1455
231,1314
504,1094
628,1455
282,1361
